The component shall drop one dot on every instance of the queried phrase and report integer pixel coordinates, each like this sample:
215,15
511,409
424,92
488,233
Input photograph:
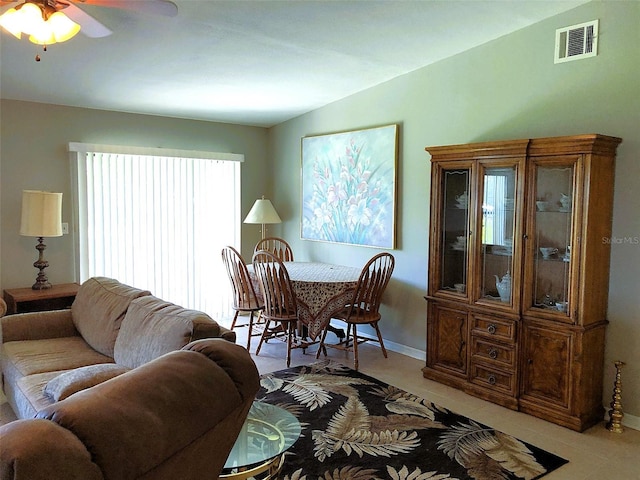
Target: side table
23,300
268,432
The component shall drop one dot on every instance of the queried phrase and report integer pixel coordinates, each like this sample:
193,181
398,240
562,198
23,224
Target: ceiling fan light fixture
41,21
30,18
12,23
42,37
61,28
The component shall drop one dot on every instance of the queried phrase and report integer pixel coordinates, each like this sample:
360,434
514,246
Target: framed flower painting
349,187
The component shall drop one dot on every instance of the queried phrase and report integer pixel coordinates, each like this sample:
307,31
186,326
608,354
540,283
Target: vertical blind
158,222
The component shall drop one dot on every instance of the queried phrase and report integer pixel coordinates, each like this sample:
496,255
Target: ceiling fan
48,10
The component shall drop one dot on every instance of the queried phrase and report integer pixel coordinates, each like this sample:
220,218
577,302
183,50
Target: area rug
358,428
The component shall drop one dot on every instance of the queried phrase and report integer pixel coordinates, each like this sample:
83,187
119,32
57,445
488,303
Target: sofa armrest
235,362
206,327
34,449
174,417
227,334
37,326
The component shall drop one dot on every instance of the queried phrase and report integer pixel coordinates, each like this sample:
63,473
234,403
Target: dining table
321,290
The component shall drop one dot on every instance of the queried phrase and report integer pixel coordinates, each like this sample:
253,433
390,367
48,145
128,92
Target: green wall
34,139
506,89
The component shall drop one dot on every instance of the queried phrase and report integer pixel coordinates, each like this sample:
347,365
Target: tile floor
596,454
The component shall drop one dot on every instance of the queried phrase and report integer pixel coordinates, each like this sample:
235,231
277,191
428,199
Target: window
157,219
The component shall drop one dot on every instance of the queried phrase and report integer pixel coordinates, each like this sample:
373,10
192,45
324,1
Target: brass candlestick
616,414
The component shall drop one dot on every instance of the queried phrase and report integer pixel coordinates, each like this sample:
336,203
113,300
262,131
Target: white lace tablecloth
321,289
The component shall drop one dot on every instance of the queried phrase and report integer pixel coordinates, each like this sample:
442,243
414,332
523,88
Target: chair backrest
373,280
277,291
244,295
278,246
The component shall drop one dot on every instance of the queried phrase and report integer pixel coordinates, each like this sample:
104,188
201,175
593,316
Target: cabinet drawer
504,356
494,379
499,328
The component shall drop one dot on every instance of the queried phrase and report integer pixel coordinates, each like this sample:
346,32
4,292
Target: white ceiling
254,62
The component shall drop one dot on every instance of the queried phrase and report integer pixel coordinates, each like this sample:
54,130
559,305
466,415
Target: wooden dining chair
363,309
245,298
280,305
278,246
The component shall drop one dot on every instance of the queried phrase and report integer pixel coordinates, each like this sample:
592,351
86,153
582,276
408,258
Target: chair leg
262,337
256,325
235,319
299,335
322,339
250,331
348,335
384,350
355,347
290,331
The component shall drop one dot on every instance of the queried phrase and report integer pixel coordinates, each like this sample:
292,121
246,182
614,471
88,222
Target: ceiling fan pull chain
38,56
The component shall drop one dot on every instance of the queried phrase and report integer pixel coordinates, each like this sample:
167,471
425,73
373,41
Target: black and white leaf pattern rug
358,428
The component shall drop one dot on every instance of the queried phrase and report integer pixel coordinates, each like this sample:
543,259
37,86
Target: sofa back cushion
153,327
98,311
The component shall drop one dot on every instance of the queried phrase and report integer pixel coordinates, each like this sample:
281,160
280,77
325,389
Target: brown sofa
155,395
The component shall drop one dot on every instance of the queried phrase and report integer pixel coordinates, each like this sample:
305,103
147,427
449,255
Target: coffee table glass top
267,432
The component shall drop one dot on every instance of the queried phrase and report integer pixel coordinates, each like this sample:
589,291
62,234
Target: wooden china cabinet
518,273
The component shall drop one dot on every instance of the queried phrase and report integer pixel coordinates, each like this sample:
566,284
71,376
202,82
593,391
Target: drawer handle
492,379
493,353
492,328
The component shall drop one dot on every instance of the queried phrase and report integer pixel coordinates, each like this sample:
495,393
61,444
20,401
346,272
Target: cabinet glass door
455,230
497,223
552,237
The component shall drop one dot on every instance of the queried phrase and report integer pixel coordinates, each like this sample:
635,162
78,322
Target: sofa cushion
48,355
28,365
153,327
99,308
31,398
72,381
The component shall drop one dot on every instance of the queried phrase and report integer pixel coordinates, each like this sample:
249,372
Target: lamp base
42,282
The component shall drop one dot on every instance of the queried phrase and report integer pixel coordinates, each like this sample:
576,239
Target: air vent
576,42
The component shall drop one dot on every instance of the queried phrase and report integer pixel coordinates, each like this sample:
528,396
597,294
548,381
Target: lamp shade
41,214
262,212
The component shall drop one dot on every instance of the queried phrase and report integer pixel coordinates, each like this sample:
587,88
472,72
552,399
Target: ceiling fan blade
88,25
158,7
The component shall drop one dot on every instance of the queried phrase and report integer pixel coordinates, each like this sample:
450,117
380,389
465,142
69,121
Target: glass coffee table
267,433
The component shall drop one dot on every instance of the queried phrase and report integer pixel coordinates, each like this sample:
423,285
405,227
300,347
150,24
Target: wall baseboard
403,349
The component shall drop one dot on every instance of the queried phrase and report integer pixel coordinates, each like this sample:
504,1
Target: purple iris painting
349,186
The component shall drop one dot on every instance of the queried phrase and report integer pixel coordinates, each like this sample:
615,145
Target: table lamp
262,212
41,217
